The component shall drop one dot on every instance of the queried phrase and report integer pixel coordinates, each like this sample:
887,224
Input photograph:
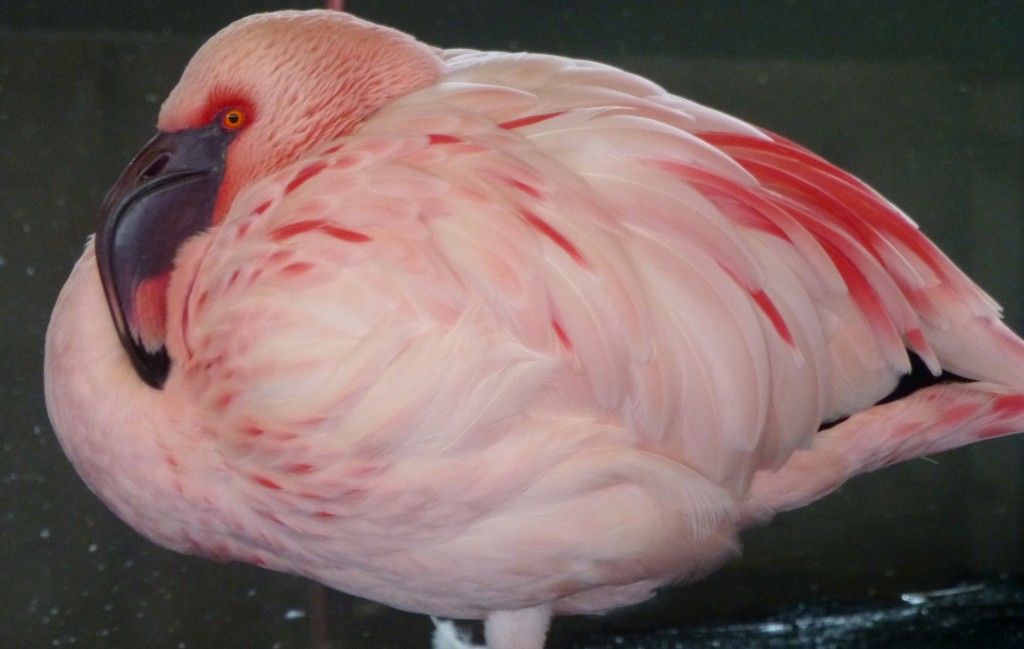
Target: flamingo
492,335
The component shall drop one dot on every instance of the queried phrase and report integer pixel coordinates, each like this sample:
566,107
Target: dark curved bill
166,195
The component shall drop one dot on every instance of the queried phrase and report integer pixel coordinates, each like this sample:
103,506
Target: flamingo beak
166,195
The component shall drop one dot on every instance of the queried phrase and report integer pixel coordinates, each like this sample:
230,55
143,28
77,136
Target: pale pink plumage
531,337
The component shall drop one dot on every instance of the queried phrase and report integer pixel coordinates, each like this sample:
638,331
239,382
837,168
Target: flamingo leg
448,636
318,615
522,629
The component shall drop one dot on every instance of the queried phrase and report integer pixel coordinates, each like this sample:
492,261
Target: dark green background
924,100
982,31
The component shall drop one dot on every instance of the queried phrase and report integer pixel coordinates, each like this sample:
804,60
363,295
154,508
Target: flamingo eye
233,119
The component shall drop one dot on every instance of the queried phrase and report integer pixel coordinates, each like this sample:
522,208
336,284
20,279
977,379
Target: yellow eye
233,119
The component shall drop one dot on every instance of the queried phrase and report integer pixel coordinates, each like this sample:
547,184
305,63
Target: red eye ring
233,119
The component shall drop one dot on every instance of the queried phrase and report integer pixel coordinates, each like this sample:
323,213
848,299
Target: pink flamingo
490,335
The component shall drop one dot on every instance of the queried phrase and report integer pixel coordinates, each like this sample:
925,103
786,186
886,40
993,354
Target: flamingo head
255,98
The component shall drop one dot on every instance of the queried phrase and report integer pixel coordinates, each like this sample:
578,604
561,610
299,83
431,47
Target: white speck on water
251,592
30,270
914,599
44,533
774,627
918,599
93,547
294,614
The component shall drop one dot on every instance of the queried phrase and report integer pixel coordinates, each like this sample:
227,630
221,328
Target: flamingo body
516,335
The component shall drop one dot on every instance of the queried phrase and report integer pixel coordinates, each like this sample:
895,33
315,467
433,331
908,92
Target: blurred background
923,100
